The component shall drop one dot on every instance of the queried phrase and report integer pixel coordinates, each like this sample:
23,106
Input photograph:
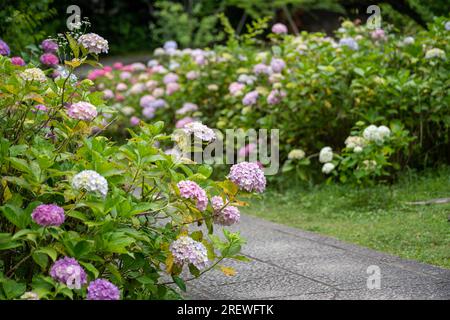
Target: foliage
124,235
323,90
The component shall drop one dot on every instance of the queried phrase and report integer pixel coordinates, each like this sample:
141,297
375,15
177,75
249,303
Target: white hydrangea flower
33,74
384,132
354,141
94,43
376,134
297,154
326,155
200,131
328,167
435,53
90,181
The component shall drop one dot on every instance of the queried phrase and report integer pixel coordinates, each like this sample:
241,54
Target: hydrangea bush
312,87
84,217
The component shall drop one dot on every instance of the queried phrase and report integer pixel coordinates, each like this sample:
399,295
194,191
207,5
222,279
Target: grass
375,217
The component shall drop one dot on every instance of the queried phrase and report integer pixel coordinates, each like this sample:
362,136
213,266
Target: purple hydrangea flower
18,61
68,271
102,289
248,176
277,65
250,98
186,249
191,190
275,96
261,68
49,46
4,48
40,107
224,216
134,121
187,107
48,215
145,101
349,42
170,78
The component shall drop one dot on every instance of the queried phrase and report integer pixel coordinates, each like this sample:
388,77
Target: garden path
289,263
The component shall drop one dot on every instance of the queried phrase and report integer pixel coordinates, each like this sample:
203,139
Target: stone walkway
289,263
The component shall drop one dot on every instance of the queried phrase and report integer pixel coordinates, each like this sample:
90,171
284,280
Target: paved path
289,263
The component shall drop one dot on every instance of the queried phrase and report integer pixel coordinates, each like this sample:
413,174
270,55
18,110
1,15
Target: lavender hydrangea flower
91,181
235,88
170,45
101,289
250,98
275,96
200,131
49,46
191,190
82,111
447,26
94,43
186,249
148,113
68,271
277,65
349,42
261,68
182,122
4,48
224,216
145,101
170,78
48,215
248,176
187,107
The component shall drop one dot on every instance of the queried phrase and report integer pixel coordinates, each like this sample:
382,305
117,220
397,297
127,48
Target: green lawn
375,217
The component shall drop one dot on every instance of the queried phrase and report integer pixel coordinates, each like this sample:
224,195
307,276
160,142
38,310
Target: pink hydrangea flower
18,61
224,216
134,121
236,88
279,28
118,65
378,34
191,190
96,73
49,59
192,75
247,149
182,122
82,111
248,176
171,88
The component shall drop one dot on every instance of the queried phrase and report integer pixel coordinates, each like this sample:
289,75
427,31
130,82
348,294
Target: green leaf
40,258
17,216
90,267
73,45
179,282
13,289
48,251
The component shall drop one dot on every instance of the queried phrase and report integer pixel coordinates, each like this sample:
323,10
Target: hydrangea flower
90,181
328,167
378,34
354,141
326,155
187,107
447,26
49,59
29,295
148,113
101,289
376,134
184,121
224,216
277,65
408,40
236,88
186,249
171,88
349,42
48,215
108,94
33,74
40,107
49,46
4,48
94,43
200,131
191,190
279,28
248,176
82,111
250,98
192,75
170,77
134,121
18,61
261,68
68,271
245,78
296,154
247,149
170,45
275,96
435,53
145,101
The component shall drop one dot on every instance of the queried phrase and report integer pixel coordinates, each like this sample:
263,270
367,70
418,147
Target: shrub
82,216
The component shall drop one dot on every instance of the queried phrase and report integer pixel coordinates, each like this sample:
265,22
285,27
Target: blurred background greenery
142,25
